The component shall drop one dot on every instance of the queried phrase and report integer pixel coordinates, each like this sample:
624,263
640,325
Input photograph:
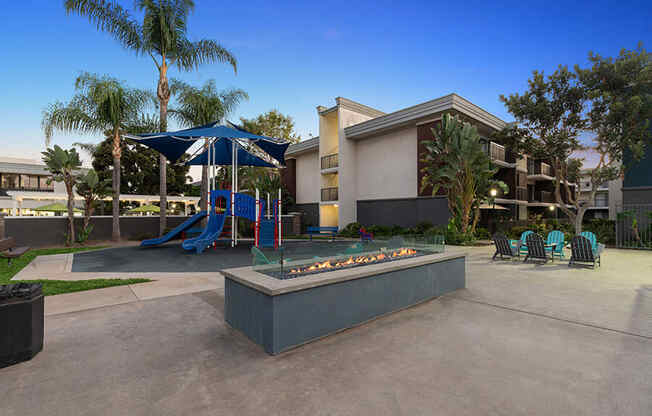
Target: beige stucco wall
347,169
386,165
308,178
328,142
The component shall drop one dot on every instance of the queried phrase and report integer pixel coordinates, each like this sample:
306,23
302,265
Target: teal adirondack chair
597,247
556,236
514,243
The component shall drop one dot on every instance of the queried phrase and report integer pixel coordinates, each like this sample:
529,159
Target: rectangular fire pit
280,314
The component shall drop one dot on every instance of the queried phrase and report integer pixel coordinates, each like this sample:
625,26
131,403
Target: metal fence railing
329,194
634,226
330,161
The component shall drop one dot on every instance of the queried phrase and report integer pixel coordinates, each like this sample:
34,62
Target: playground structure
267,229
223,148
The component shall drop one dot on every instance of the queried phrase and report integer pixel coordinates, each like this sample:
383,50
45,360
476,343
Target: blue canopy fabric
172,148
175,140
221,155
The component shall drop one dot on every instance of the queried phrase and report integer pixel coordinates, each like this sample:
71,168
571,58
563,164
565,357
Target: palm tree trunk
117,153
71,212
163,93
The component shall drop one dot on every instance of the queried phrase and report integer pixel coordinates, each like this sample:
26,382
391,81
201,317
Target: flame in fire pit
353,260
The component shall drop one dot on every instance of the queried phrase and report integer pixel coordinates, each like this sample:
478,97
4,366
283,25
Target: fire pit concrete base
282,314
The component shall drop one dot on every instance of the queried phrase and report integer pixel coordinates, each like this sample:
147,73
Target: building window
9,181
602,200
29,182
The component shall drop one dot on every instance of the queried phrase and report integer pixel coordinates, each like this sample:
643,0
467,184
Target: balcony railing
542,196
534,168
521,194
547,197
546,169
330,161
329,194
497,152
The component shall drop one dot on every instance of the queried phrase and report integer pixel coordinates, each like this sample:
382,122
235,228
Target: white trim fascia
432,120
410,114
358,108
303,147
329,171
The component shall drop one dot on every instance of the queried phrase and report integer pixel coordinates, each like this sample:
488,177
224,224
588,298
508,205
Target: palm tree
200,106
91,188
64,164
162,36
456,162
101,104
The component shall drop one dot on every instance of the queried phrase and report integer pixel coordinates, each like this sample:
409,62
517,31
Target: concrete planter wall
282,314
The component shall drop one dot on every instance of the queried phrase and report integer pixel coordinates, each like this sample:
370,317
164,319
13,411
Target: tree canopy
272,124
610,102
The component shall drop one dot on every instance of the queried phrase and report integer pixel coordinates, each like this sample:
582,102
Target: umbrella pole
208,197
232,193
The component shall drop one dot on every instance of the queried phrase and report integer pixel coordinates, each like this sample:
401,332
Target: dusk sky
294,56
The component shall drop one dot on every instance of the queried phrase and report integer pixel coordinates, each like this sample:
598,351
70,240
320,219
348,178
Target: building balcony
330,163
329,194
542,197
539,170
500,156
521,194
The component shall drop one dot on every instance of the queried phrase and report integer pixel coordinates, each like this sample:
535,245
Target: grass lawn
56,287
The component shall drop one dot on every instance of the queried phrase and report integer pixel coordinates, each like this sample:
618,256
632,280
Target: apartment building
365,166
608,198
25,185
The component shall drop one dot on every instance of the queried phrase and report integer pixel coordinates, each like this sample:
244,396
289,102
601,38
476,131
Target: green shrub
604,230
482,233
352,230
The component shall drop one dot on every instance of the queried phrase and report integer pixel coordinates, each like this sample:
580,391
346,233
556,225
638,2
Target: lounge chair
536,248
556,237
9,250
598,248
521,243
503,247
583,252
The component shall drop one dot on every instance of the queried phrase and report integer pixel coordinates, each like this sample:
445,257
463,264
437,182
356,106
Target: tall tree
272,124
64,166
200,106
456,162
619,92
163,36
550,117
101,104
611,100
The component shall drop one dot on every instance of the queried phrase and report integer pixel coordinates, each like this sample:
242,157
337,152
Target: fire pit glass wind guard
310,259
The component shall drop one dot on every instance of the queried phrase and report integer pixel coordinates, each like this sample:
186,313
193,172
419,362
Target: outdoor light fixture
551,207
493,192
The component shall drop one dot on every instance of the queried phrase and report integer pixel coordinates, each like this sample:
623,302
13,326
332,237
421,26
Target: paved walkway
520,340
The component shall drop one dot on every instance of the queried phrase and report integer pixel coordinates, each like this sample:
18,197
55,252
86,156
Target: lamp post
493,192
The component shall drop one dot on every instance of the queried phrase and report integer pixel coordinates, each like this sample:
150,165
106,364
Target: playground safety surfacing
172,258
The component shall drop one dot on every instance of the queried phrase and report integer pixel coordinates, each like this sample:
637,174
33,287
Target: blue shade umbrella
170,147
171,143
221,154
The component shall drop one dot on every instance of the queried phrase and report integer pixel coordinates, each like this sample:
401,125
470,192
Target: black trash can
21,322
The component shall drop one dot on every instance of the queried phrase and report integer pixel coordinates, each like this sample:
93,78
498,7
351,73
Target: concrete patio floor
521,339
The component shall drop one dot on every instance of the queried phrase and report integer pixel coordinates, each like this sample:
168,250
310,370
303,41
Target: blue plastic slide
208,236
178,230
